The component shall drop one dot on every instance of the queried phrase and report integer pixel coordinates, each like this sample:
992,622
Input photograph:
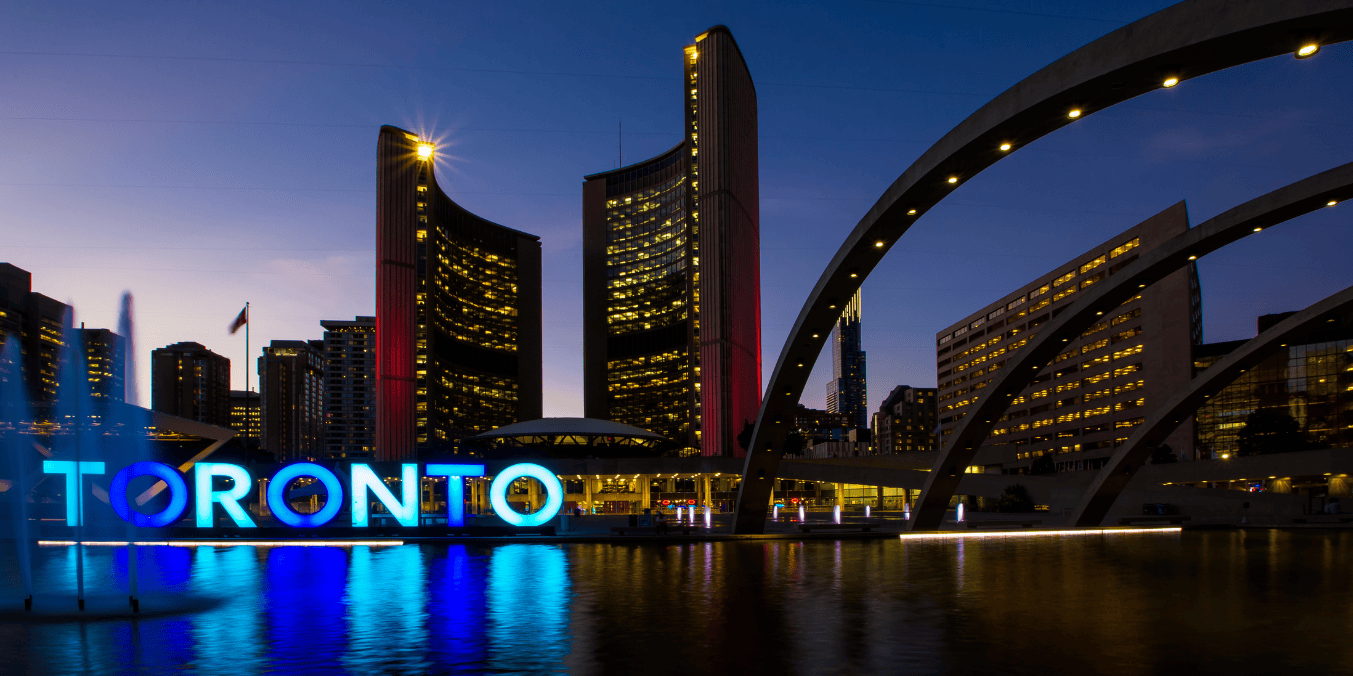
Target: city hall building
458,315
671,269
1089,399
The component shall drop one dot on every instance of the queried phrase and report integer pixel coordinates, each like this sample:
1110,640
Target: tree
1015,499
1270,430
745,436
1163,455
1043,465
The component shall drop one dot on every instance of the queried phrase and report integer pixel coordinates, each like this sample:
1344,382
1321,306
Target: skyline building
458,311
350,387
1088,400
189,381
291,399
38,322
671,269
246,415
847,393
905,421
105,361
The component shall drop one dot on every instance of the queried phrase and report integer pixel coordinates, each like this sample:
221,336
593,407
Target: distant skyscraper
458,333
906,421
671,269
291,385
105,360
350,387
846,393
37,321
189,381
246,415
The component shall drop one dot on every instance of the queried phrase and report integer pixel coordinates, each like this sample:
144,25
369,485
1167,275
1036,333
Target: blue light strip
455,488
229,499
277,495
553,489
178,494
75,484
364,479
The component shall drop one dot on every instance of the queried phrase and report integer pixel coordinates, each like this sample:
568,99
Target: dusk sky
204,155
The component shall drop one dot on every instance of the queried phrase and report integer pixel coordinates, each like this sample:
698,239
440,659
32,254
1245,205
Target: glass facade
1312,382
652,302
671,288
458,333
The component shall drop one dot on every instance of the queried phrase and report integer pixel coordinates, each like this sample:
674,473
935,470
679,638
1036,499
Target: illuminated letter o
178,494
277,499
554,492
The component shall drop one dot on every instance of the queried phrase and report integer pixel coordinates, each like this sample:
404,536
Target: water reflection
1220,601
527,600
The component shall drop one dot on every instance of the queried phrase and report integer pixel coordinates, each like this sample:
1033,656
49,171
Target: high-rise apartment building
671,269
246,416
37,321
350,387
189,381
905,421
846,393
458,332
1104,383
291,389
105,359
1309,381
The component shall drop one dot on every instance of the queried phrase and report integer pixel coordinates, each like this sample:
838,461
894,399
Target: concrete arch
1114,477
1187,40
1304,196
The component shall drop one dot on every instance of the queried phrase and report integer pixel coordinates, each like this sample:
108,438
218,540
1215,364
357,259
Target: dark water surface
1202,602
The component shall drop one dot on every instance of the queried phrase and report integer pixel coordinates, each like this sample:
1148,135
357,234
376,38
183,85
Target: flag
240,320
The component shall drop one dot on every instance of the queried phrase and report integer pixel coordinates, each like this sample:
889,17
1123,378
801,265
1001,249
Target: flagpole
246,356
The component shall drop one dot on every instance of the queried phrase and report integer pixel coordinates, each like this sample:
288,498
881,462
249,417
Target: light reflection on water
1211,602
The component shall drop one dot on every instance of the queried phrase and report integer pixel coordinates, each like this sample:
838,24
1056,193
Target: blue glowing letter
277,495
178,494
455,488
553,489
75,485
363,479
229,499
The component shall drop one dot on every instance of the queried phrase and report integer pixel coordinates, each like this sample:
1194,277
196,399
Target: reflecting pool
1203,601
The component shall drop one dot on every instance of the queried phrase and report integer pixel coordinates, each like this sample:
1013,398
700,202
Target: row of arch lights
1304,52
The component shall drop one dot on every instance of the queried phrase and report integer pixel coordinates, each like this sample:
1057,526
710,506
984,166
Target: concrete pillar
532,495
880,497
706,499
640,497
587,493
839,490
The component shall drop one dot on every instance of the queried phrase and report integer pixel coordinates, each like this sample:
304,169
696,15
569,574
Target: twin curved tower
458,314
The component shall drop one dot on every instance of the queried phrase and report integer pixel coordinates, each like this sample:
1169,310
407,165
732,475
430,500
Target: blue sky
203,155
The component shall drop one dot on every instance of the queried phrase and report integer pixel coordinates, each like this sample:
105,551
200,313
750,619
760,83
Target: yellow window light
1075,113
953,179
1005,146
1307,51
913,211
1170,82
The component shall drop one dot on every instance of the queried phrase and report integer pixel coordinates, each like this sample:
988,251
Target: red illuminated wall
396,293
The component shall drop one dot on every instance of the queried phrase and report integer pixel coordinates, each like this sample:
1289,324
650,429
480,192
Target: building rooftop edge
641,163
1053,273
